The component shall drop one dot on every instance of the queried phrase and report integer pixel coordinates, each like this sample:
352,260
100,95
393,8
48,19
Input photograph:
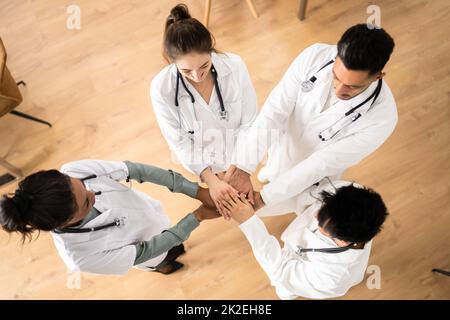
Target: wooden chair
10,98
302,10
208,9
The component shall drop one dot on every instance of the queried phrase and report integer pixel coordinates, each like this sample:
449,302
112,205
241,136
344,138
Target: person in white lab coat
309,119
100,225
337,219
202,100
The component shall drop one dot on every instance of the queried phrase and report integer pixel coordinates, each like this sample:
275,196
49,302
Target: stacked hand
239,208
218,190
240,180
223,192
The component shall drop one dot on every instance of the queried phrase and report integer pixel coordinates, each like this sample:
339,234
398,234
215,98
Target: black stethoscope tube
326,250
116,222
216,84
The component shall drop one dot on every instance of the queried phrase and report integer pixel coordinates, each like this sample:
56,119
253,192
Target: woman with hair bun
202,100
98,224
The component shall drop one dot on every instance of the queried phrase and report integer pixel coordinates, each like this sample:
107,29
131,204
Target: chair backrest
10,96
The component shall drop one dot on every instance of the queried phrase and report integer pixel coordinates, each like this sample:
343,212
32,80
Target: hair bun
178,13
22,201
11,217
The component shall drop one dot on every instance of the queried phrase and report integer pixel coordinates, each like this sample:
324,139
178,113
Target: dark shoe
174,253
169,267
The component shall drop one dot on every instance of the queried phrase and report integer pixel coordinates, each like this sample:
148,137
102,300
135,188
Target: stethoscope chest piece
223,115
307,85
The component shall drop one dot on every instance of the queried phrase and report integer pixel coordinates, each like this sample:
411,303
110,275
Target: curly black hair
352,214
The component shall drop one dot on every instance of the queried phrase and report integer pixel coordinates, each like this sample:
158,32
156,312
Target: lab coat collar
222,68
327,78
318,240
363,96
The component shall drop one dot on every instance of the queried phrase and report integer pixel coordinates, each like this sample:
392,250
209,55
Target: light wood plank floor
93,84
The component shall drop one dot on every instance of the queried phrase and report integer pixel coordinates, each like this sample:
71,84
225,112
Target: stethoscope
301,250
223,114
328,133
117,222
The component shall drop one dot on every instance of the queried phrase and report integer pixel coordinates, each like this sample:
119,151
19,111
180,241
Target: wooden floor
93,84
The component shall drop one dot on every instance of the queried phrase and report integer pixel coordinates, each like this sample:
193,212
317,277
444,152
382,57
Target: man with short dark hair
327,246
330,110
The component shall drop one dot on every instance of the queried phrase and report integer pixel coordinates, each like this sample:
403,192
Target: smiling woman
200,100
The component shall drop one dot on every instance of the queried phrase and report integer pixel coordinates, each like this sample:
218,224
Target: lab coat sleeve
291,276
329,161
166,240
274,115
83,168
174,181
249,99
189,154
114,262
249,107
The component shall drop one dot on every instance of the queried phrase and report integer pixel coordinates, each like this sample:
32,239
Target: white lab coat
111,250
298,159
213,142
313,275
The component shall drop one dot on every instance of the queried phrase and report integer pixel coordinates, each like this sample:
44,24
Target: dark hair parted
362,48
44,201
184,34
352,214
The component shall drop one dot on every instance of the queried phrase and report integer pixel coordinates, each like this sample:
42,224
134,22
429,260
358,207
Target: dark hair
352,214
362,48
184,34
44,201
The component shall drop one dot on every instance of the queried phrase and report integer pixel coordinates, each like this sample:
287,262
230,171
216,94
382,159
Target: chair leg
16,171
252,8
447,273
302,10
26,116
21,83
207,11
